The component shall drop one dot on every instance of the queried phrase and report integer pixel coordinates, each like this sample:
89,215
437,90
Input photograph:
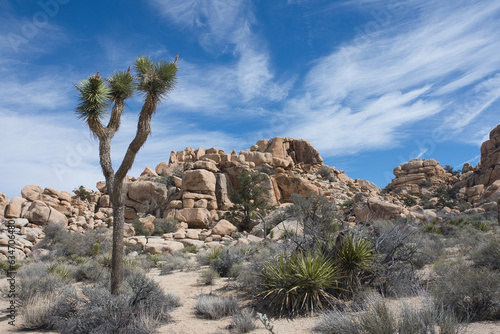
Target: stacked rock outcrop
418,176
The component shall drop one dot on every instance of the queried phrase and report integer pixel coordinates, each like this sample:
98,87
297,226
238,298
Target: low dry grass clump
243,322
374,317
216,307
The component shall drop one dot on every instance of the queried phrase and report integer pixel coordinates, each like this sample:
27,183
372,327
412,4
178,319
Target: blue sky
371,83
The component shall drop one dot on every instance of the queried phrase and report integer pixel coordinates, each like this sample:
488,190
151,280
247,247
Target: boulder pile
195,188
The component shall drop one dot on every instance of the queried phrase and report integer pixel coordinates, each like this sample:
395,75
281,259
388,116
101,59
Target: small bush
472,293
297,284
487,254
401,248
46,310
139,228
62,243
208,276
141,305
214,307
375,318
35,278
225,260
326,173
243,322
91,271
316,213
82,194
165,225
177,261
409,201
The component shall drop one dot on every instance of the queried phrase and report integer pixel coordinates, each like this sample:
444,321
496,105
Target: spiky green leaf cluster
94,98
299,283
155,77
121,85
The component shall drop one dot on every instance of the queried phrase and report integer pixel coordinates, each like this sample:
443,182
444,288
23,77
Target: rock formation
195,187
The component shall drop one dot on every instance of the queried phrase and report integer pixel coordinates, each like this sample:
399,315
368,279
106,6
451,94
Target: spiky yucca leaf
355,256
356,253
94,98
156,78
298,284
121,85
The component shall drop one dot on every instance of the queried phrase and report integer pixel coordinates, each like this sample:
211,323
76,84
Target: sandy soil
185,320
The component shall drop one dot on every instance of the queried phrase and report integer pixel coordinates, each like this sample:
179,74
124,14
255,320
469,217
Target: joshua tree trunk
155,79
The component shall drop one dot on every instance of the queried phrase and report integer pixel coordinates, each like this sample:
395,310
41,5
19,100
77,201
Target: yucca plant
102,97
355,256
299,283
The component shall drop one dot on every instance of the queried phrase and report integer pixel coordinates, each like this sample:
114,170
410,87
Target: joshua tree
98,96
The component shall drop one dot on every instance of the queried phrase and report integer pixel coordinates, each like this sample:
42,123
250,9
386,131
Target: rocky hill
194,188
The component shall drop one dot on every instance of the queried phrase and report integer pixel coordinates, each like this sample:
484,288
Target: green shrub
409,201
64,244
91,271
472,293
225,260
141,301
402,248
215,307
326,173
177,261
299,283
316,213
248,198
165,225
208,276
487,253
36,278
139,228
375,318
82,194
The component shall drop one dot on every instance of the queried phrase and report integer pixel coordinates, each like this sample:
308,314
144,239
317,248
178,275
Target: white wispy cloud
363,95
225,27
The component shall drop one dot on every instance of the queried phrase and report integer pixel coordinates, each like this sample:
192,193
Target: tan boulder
192,234
148,172
38,213
104,201
372,209
289,185
288,226
128,230
208,165
4,200
161,168
147,192
147,222
367,186
198,180
55,217
195,218
493,191
14,208
259,158
51,192
277,148
31,192
302,151
223,186
65,196
224,227
101,186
